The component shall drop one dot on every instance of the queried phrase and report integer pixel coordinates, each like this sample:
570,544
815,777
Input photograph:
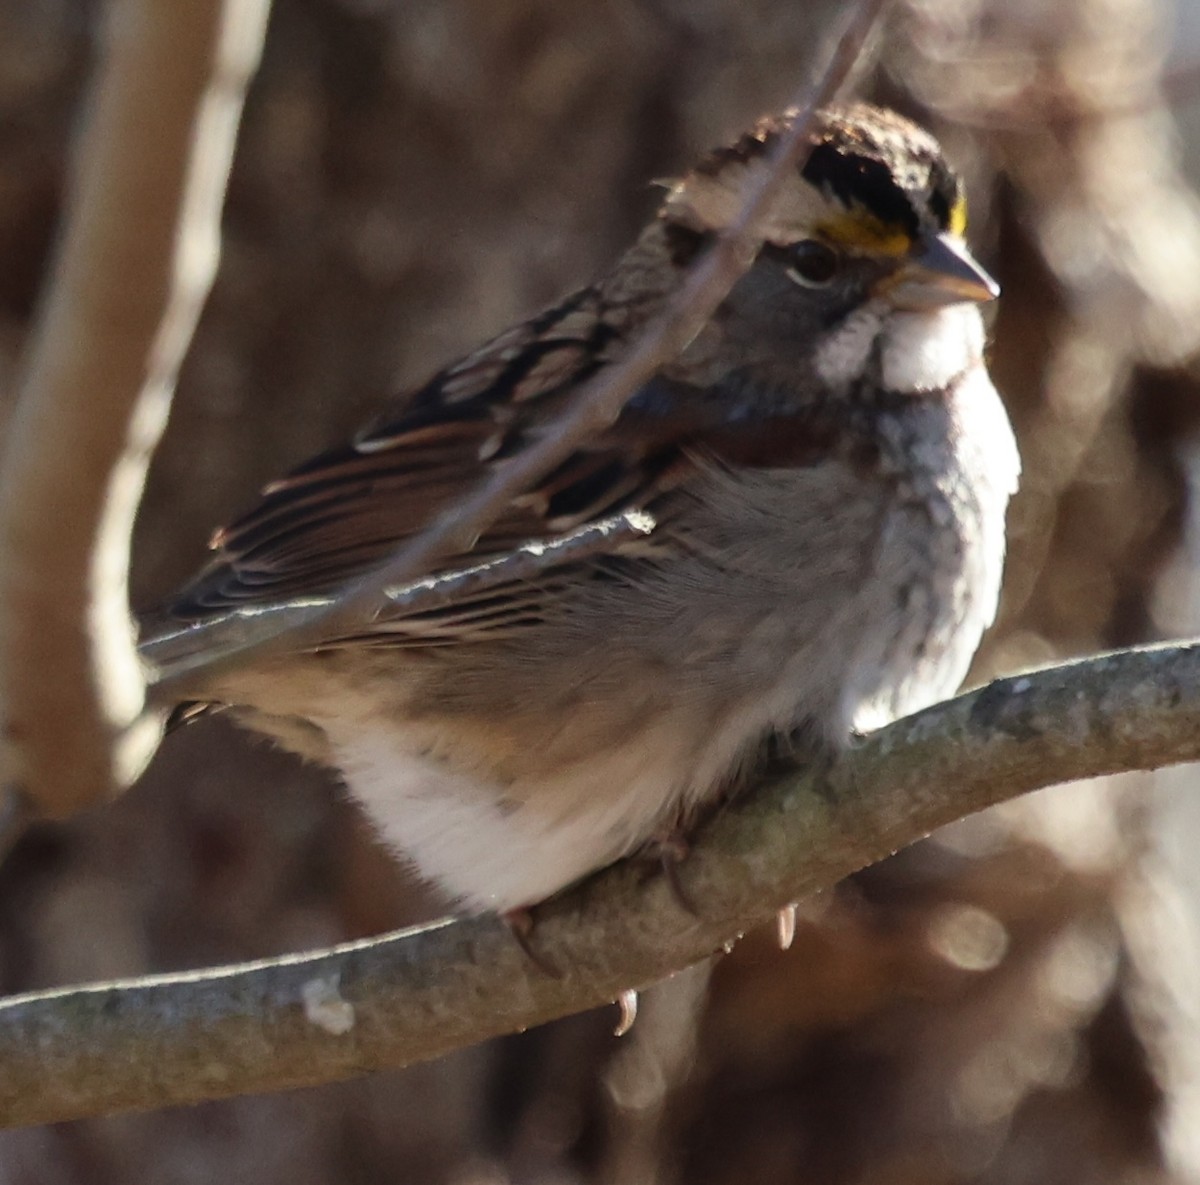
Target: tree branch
416,995
134,268
172,648
595,406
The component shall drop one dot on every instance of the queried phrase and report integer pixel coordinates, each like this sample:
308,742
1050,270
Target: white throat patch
919,352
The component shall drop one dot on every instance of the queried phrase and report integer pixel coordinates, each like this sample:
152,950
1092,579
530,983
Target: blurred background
1015,1000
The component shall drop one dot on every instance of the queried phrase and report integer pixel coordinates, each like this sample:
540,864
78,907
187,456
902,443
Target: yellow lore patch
863,232
958,218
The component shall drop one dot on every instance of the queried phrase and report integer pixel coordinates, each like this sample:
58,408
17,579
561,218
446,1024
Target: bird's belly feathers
836,603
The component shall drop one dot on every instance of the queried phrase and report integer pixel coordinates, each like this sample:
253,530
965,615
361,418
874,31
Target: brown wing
344,511
347,509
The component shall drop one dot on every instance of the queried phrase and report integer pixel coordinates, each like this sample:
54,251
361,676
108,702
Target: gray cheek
776,322
766,308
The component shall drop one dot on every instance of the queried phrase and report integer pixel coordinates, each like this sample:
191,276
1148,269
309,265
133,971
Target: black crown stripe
860,180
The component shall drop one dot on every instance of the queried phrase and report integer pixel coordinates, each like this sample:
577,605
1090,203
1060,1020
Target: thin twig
136,262
168,649
413,996
596,405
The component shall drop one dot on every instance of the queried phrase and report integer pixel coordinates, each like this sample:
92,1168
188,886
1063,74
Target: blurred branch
134,267
412,996
646,1072
596,405
1051,106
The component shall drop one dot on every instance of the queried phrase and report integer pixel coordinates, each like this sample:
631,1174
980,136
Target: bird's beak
940,271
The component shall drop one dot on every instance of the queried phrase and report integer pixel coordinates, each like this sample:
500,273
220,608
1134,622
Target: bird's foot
668,851
520,925
785,926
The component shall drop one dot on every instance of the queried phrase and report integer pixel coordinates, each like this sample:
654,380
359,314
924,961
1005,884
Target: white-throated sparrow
827,467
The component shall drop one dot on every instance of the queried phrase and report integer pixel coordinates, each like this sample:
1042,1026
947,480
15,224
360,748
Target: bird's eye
812,264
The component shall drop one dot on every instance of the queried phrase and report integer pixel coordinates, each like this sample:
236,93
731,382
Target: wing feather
347,509
343,512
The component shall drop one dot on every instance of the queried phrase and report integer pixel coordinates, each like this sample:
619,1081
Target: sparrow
810,500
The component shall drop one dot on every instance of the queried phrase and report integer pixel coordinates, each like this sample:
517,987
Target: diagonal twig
596,405
609,536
